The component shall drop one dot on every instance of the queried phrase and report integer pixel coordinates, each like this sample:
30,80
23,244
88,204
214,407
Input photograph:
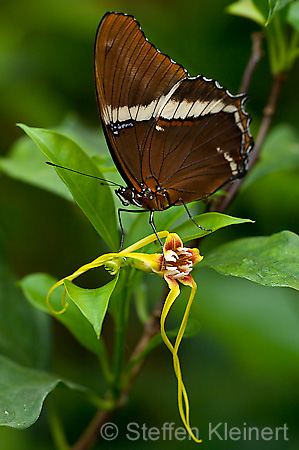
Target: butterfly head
145,198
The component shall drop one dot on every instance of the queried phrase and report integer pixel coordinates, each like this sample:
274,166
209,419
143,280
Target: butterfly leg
151,221
190,217
121,225
121,229
152,224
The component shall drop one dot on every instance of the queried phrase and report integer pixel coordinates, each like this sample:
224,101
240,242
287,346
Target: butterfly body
145,198
174,138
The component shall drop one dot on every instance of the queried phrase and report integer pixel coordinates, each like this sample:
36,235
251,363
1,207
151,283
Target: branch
93,432
223,202
256,54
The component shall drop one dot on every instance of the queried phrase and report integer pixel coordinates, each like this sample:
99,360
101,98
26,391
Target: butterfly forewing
133,80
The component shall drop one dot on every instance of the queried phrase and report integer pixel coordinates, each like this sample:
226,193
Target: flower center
178,263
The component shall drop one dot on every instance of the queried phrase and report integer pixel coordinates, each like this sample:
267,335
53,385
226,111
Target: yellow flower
179,262
175,265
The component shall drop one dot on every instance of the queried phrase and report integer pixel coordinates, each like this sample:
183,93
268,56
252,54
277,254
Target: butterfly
174,138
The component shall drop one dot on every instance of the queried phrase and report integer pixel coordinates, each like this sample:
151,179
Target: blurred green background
243,367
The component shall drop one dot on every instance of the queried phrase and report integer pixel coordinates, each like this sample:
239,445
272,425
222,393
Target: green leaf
270,261
255,324
35,288
92,197
26,164
274,7
269,8
91,140
93,303
280,152
23,391
263,7
293,15
25,333
210,221
247,9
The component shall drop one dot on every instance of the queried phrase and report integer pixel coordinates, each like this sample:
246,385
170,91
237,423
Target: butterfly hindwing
199,141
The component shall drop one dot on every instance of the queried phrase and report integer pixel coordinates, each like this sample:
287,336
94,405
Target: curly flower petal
175,265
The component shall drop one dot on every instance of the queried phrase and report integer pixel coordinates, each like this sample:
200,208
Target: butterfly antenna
104,182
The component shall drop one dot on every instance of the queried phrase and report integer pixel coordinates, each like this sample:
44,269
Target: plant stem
104,362
278,79
151,328
293,51
280,38
272,50
93,431
120,331
56,427
256,54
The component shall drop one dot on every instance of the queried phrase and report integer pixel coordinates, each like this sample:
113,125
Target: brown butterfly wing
199,142
133,80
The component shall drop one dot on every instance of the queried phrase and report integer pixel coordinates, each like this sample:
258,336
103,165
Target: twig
256,54
269,111
151,328
223,202
93,431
